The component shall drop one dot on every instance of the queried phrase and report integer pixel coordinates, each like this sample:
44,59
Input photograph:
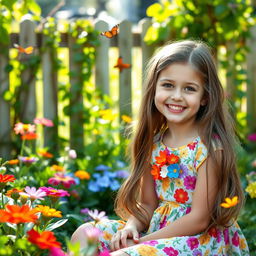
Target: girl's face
179,93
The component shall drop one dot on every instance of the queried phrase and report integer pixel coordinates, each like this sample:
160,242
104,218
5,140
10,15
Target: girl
182,165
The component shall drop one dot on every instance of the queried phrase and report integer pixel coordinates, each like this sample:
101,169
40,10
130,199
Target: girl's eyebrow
172,81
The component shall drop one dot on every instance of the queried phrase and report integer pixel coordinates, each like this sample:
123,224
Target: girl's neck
179,136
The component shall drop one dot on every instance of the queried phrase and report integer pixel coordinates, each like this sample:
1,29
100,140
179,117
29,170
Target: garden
68,101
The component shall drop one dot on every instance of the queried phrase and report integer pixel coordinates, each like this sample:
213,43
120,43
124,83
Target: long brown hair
214,120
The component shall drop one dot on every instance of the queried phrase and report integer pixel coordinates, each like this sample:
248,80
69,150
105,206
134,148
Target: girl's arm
149,202
199,218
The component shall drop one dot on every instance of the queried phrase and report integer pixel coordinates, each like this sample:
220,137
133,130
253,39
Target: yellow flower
242,243
107,236
183,153
166,184
179,182
230,202
82,175
204,239
207,252
126,119
145,250
47,211
251,189
107,114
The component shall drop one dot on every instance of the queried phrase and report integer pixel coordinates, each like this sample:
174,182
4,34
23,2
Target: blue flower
93,186
120,164
110,174
102,167
103,181
114,185
122,174
173,170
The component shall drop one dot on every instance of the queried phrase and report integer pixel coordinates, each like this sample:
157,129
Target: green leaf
7,95
34,7
57,224
153,9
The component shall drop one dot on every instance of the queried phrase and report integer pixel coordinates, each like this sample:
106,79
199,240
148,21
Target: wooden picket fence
125,41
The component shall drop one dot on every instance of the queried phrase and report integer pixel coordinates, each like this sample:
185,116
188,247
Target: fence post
147,50
76,95
27,97
251,83
50,93
5,125
102,59
125,46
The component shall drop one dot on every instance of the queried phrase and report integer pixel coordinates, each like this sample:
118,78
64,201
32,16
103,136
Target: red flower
172,159
162,158
181,196
213,232
18,214
192,145
45,240
155,171
6,178
29,136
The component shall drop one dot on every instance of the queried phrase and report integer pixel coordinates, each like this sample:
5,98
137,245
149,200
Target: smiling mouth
175,108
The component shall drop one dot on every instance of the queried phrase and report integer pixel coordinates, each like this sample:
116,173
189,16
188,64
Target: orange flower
13,161
6,178
29,136
17,214
162,158
14,193
126,119
155,171
45,154
230,202
172,159
57,168
45,240
82,175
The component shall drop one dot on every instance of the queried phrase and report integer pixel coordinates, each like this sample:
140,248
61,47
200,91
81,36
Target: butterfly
111,33
121,65
230,202
27,50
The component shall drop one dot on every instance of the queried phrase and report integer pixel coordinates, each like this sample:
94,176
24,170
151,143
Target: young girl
182,165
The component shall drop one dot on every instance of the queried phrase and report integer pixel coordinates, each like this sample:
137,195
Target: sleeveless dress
179,168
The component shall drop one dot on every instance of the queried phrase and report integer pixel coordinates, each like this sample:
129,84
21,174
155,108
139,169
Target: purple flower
183,170
252,137
170,251
102,167
197,253
27,159
190,182
122,174
84,211
193,243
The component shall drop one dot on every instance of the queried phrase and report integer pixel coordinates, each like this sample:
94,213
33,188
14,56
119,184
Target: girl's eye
190,89
168,85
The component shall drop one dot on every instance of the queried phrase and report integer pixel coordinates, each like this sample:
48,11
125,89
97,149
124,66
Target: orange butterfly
230,202
111,33
27,50
120,65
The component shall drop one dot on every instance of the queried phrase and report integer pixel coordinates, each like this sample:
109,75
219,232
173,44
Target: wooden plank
102,60
76,96
251,84
5,125
27,94
50,94
125,85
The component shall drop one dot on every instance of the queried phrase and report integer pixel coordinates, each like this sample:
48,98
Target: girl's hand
124,238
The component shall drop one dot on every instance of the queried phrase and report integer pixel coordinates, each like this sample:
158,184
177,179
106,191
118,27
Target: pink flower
97,216
61,178
22,129
152,242
43,121
72,154
33,194
226,236
92,234
55,192
235,239
27,159
104,253
163,223
190,182
252,137
193,243
54,251
170,251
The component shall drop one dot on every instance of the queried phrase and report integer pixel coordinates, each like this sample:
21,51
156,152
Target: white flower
72,154
96,215
164,171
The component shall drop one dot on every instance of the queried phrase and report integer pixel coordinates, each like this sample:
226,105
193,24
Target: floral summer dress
175,174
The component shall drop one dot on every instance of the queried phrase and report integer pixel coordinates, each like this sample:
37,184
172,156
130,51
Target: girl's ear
203,101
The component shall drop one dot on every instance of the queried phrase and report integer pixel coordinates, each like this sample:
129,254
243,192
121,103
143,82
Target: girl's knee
80,233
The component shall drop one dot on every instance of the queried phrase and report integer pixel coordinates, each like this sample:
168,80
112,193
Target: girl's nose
176,95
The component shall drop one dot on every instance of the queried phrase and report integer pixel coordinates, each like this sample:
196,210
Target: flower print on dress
173,171
170,251
181,196
193,243
183,170
192,145
197,253
235,239
190,182
152,242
